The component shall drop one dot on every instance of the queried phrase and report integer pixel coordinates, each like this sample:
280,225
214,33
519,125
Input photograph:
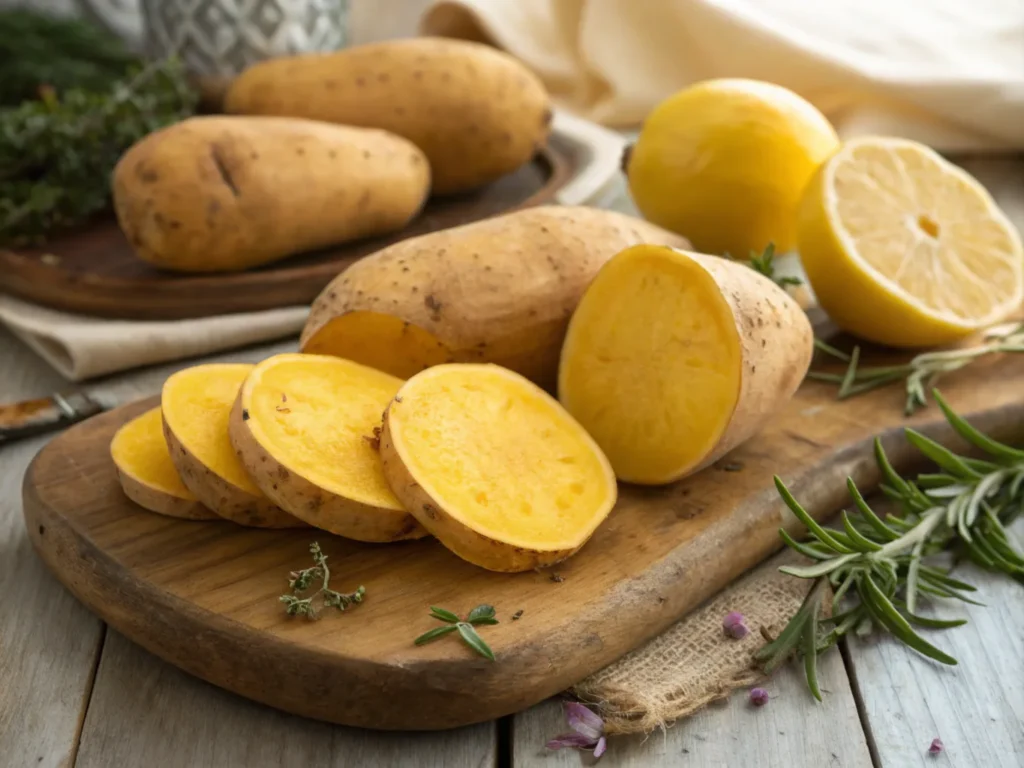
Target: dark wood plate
94,271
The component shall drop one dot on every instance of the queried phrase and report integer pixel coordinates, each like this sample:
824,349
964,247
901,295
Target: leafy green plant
301,581
482,614
921,372
57,153
876,570
765,264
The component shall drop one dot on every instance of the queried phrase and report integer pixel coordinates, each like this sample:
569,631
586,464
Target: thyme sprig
921,372
482,614
872,572
301,581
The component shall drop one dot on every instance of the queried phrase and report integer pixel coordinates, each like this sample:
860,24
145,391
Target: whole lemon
724,162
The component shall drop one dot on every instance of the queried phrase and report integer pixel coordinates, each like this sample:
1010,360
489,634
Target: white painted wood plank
976,708
790,730
48,641
147,713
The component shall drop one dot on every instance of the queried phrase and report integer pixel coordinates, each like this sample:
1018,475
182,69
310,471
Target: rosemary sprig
482,614
920,373
301,581
766,266
875,570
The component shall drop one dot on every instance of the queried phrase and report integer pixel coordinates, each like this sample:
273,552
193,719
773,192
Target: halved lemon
904,248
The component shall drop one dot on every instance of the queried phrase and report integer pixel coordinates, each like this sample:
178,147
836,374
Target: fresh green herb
873,571
57,153
921,373
301,581
59,52
482,614
765,264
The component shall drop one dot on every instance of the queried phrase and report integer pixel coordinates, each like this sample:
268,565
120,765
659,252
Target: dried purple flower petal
583,721
936,747
735,625
588,727
758,697
571,741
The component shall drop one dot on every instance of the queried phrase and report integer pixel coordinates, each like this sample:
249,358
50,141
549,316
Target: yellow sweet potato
499,290
216,194
674,358
306,428
196,403
494,467
476,112
146,473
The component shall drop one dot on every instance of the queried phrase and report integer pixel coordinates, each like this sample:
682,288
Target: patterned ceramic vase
220,38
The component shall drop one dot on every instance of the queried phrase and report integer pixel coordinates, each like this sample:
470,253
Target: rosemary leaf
879,568
918,374
861,542
442,614
482,614
811,654
474,641
809,522
885,613
819,569
434,633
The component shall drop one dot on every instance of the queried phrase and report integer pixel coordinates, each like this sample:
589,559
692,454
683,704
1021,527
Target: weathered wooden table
75,693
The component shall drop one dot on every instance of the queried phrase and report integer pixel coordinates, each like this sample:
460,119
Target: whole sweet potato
218,194
476,112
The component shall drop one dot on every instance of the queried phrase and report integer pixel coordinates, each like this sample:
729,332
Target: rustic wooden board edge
449,693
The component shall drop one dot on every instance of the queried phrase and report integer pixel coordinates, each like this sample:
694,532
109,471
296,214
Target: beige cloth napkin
81,347
949,73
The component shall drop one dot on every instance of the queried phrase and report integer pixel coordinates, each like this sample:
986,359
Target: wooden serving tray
94,271
203,595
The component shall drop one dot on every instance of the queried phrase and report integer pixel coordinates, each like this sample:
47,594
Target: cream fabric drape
949,73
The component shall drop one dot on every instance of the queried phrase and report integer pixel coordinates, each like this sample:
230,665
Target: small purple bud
735,625
758,697
936,747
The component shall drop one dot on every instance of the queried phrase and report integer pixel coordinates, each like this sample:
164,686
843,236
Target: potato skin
777,343
309,502
218,194
477,113
468,544
500,290
227,500
161,502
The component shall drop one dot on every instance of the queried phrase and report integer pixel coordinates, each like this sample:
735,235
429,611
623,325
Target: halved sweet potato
674,358
146,473
494,467
500,290
304,427
196,403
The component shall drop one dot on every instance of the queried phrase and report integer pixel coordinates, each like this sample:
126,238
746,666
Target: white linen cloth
949,73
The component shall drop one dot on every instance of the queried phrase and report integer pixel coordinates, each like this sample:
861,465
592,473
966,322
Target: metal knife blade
46,414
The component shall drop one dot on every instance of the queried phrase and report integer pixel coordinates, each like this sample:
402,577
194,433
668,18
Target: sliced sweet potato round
146,473
494,467
306,428
196,403
674,358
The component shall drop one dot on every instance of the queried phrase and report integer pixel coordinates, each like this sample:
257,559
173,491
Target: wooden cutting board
203,595
95,272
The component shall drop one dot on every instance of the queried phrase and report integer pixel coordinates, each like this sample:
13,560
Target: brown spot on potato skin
434,306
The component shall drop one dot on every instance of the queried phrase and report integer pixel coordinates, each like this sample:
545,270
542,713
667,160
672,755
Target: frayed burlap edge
693,662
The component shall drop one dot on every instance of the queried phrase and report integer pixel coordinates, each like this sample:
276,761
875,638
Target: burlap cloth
693,662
